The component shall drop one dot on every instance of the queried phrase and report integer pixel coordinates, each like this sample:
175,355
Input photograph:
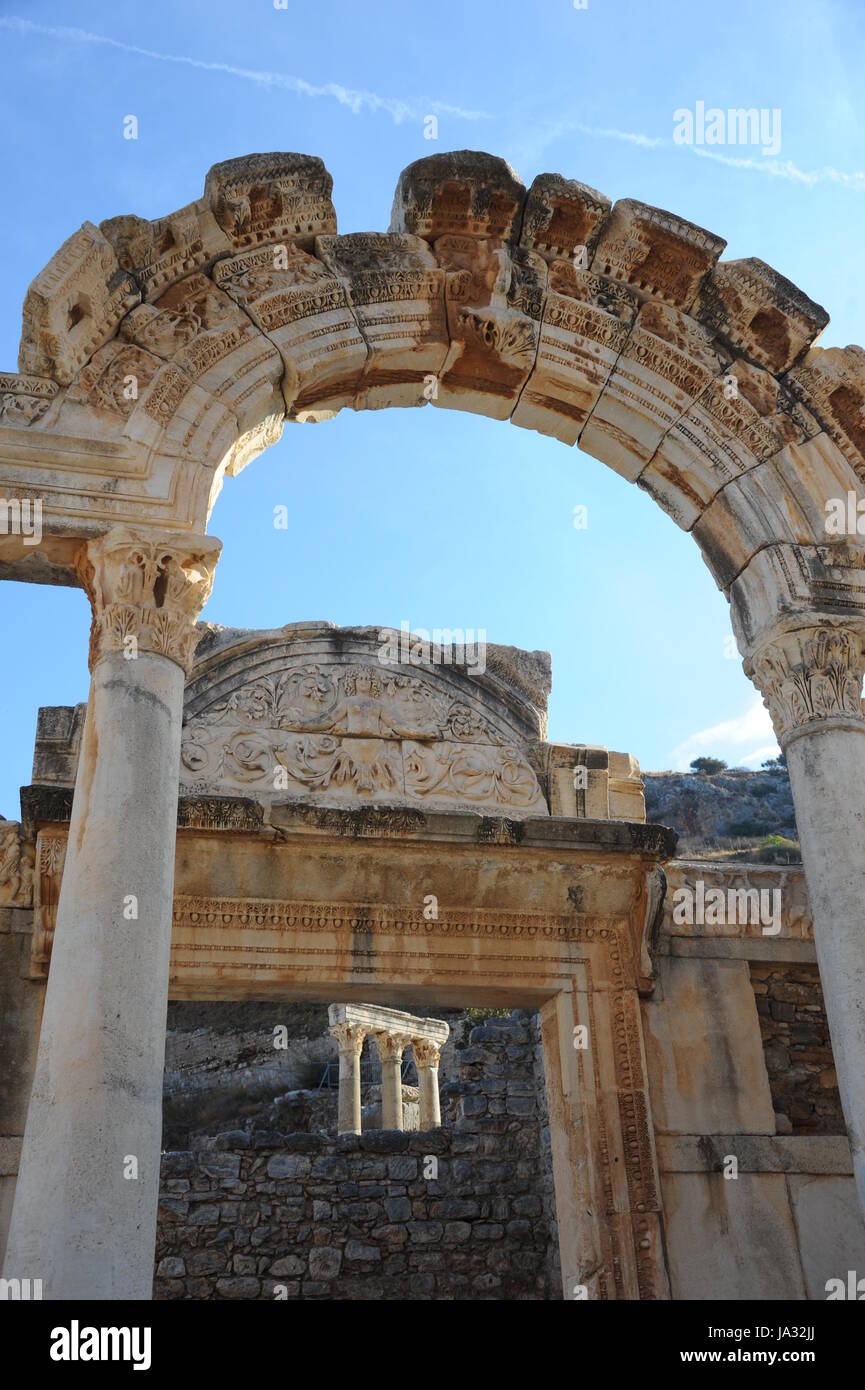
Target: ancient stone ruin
318,814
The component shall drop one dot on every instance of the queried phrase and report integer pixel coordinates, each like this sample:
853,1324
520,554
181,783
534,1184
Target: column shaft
391,1093
81,1222
84,1219
827,776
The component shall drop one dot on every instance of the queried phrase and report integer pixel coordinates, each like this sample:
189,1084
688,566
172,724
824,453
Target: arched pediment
337,716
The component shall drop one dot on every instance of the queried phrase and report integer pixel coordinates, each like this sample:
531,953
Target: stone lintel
45,804
392,1021
756,1153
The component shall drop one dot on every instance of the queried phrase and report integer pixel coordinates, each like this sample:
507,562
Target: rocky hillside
729,814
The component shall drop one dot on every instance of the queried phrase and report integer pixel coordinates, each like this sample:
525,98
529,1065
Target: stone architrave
84,1218
811,682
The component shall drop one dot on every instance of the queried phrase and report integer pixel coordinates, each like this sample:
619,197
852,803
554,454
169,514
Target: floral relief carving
146,592
808,676
357,731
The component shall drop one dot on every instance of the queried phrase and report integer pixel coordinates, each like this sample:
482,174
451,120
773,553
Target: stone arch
157,357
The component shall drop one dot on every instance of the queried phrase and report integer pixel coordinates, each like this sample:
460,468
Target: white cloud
356,100
535,143
744,741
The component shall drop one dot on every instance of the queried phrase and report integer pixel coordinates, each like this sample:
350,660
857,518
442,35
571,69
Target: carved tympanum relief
357,732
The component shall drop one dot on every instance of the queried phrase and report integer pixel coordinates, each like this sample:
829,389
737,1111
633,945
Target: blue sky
444,519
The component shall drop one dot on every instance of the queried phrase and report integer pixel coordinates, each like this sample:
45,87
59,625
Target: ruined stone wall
362,1217
797,1048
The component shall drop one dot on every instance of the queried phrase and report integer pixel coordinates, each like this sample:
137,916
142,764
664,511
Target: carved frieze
24,399
666,363
304,309
50,858
16,866
397,293
357,731
211,341
585,326
657,252
267,198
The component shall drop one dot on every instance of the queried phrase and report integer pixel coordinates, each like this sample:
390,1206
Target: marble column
390,1049
349,1038
84,1219
811,681
426,1058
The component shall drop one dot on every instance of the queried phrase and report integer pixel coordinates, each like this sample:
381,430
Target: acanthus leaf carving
810,676
147,588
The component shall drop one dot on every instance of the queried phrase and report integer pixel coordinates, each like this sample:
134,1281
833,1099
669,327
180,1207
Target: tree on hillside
708,765
780,761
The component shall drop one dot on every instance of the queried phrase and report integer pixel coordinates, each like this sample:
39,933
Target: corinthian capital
391,1046
809,677
148,588
349,1038
426,1053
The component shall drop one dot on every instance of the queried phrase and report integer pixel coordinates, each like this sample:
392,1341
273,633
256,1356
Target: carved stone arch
157,357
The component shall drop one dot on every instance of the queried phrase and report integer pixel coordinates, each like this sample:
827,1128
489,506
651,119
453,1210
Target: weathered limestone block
666,363
830,1229
182,420
782,499
464,192
58,742
795,924
831,383
730,1240
266,198
704,1050
626,798
746,515
563,216
469,206
305,311
720,437
397,292
578,778
760,313
660,254
74,306
783,581
494,301
160,253
212,341
24,400
585,326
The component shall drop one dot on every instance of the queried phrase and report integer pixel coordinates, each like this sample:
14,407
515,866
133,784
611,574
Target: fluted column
811,681
84,1219
426,1058
349,1038
390,1049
